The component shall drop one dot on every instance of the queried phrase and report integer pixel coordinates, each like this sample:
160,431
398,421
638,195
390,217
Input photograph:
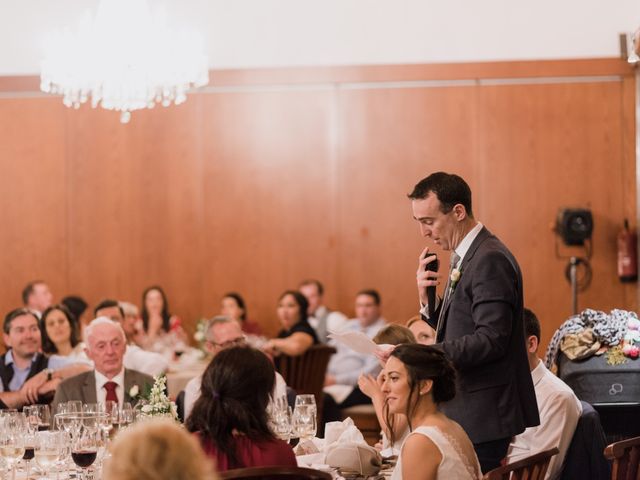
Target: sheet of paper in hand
358,342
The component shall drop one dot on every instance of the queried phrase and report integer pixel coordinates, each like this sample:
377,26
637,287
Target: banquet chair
626,457
530,468
275,473
305,373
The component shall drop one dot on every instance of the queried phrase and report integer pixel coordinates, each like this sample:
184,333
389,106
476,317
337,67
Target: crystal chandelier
123,59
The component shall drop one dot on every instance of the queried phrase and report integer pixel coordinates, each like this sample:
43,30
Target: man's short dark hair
450,189
312,281
27,291
108,303
13,314
531,324
370,292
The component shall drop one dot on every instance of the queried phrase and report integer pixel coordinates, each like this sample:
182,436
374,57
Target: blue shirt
20,374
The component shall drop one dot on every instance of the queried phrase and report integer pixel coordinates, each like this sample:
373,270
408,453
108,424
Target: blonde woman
157,450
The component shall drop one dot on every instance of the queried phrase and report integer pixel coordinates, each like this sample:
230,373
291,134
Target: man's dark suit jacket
83,387
482,333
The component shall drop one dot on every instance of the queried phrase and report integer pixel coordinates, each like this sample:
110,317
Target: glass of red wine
84,448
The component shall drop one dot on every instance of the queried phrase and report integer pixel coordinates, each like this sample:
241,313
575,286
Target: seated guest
109,380
77,306
372,387
418,379
296,336
346,365
321,318
27,376
222,333
559,409
425,335
157,449
132,324
135,358
37,297
230,417
233,306
60,336
162,331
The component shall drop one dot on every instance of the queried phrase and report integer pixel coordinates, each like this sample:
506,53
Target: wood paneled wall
271,176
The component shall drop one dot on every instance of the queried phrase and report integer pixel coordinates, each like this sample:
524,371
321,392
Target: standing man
479,321
321,319
37,297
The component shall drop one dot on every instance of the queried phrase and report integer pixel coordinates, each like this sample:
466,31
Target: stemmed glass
50,447
84,448
280,418
12,435
304,423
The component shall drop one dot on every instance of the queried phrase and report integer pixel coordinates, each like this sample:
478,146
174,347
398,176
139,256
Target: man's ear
532,344
459,212
6,339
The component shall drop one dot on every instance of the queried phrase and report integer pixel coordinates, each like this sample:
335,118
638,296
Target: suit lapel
89,388
482,236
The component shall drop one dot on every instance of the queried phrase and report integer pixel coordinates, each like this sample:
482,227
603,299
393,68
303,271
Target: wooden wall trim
388,73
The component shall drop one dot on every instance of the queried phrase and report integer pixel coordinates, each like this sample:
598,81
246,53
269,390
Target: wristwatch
49,374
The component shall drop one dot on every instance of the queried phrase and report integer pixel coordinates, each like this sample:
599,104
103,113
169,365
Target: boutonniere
134,392
455,278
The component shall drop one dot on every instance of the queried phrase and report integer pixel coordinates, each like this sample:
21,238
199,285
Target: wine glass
39,416
282,423
84,449
12,435
126,415
48,448
304,422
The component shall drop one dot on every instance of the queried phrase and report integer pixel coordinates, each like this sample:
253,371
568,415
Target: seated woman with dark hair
60,333
297,335
418,379
230,417
233,306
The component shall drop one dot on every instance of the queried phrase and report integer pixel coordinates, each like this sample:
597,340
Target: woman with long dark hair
162,331
59,332
418,379
230,417
297,335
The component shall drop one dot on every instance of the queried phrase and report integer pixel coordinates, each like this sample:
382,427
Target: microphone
431,291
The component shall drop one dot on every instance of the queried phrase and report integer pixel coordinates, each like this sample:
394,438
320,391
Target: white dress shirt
151,363
101,392
192,392
559,410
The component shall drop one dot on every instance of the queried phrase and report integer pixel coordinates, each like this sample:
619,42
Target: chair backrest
626,457
276,473
305,373
530,468
585,455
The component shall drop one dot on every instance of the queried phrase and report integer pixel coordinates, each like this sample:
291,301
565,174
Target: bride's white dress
454,465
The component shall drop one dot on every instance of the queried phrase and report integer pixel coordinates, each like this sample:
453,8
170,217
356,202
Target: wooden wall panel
289,173
33,197
269,184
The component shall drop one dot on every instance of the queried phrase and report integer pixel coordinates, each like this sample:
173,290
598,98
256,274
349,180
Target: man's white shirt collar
101,379
466,242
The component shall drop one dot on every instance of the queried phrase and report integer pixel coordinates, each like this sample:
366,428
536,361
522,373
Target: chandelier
124,59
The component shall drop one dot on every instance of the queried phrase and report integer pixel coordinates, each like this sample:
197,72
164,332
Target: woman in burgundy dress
230,417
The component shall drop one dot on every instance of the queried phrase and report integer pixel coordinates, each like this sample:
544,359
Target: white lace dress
454,465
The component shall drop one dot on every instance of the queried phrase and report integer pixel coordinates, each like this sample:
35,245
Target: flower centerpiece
200,335
156,403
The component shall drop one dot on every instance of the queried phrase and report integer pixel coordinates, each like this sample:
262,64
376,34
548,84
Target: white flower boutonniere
455,278
134,391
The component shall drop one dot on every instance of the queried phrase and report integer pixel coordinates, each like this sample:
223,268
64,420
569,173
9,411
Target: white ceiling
269,33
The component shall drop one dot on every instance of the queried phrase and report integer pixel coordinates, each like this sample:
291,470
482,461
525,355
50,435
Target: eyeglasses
230,343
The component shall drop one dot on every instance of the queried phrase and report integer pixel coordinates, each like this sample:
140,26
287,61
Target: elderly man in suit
479,321
106,345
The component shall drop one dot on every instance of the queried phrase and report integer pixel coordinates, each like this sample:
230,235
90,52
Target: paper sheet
358,342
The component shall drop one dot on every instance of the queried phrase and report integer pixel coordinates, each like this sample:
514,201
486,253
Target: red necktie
110,387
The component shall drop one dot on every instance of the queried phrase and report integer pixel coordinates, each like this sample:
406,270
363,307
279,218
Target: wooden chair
276,473
626,457
305,373
530,468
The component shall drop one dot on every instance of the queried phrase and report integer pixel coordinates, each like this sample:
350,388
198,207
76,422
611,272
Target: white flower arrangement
455,278
157,404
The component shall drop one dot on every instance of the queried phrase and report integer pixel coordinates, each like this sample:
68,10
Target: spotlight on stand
575,227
